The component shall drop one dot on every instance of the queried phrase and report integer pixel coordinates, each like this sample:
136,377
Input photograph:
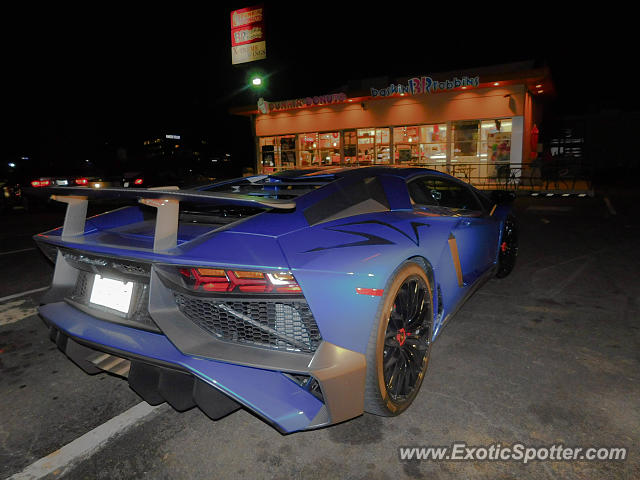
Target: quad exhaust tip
110,363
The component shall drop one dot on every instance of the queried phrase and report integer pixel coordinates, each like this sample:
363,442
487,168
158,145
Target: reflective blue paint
329,260
266,392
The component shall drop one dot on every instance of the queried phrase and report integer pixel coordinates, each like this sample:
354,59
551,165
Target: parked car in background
10,194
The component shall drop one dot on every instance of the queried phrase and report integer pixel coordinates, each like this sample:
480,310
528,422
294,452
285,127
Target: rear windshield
348,198
270,186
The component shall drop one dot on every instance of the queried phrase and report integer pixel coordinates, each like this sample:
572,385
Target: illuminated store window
366,145
465,141
435,147
277,153
383,150
329,148
268,154
288,151
373,146
420,144
495,148
308,145
406,142
465,149
350,147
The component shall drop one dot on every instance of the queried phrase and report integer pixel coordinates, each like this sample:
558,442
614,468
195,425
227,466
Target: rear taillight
82,181
40,183
138,181
247,281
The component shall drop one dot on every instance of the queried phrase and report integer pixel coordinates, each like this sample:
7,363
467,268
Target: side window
486,202
443,193
421,193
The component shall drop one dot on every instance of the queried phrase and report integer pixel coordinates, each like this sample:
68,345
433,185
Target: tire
508,248
396,368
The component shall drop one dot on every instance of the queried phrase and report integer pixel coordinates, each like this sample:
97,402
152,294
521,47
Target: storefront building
478,125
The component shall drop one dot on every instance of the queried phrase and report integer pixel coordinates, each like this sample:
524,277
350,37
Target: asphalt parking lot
549,355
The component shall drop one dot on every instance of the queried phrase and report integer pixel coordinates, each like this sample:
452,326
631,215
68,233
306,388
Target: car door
473,235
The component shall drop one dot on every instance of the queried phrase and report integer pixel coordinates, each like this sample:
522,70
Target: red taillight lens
249,281
138,181
40,183
224,280
82,181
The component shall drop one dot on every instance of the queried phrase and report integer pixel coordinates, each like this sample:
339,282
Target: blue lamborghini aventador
306,296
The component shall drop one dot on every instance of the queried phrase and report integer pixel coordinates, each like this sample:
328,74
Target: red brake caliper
401,336
503,247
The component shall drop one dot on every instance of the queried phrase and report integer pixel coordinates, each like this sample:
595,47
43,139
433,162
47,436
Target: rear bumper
159,372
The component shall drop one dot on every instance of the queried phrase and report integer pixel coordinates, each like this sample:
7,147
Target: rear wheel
508,248
400,342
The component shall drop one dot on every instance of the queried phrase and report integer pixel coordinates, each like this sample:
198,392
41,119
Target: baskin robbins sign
418,85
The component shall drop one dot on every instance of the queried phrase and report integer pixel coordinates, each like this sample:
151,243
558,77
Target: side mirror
502,197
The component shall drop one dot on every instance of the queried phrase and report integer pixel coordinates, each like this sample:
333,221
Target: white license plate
62,182
126,184
111,293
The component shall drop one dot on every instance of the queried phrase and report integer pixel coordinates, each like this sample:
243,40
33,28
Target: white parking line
22,294
17,251
60,460
15,311
609,205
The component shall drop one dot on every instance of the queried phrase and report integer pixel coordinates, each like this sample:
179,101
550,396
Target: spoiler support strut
166,230
165,199
76,215
166,233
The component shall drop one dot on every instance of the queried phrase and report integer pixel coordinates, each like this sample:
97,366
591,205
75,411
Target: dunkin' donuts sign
418,85
268,107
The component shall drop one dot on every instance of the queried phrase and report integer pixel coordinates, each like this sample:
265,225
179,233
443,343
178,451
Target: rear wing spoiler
165,199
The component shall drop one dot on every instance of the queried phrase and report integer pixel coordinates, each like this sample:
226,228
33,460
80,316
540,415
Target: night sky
80,78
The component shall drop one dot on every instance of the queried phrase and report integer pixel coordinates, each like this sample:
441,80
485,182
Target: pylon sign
247,35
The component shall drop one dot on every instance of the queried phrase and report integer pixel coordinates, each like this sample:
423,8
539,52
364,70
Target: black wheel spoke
396,320
416,300
402,304
417,343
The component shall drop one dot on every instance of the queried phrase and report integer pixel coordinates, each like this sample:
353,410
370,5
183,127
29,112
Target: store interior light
539,85
540,91
256,81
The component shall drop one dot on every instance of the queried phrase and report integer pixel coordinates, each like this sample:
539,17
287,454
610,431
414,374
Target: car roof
297,183
341,172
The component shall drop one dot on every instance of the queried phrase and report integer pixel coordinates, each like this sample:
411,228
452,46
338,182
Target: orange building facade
471,124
